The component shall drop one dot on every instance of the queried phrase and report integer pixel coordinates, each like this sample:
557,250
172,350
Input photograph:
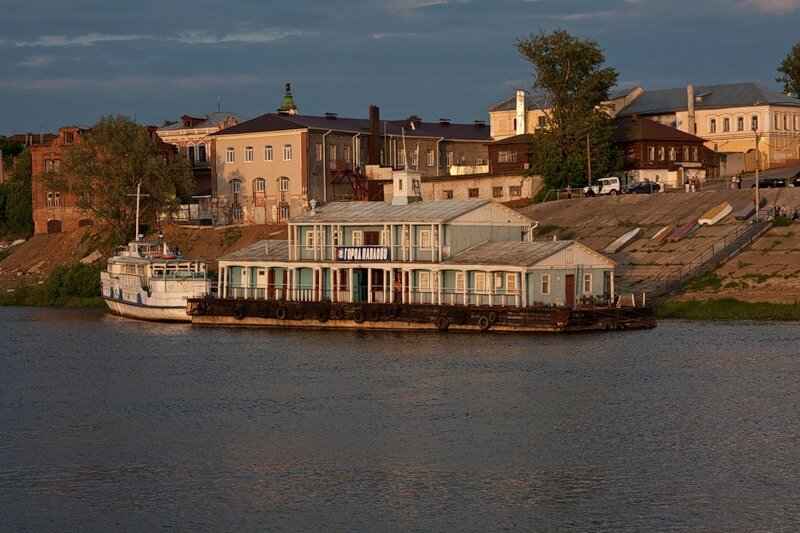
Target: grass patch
758,278
75,285
627,223
726,309
230,236
782,221
709,280
543,229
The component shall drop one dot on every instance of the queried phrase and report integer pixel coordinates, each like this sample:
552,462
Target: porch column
350,287
369,285
612,286
221,289
524,288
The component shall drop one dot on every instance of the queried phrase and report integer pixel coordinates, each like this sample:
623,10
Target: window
230,155
431,158
651,153
268,153
785,122
472,193
260,185
56,164
348,154
515,190
480,281
425,239
542,122
449,159
497,192
777,122
448,195
287,152
506,156
84,199
685,153
48,165
332,152
672,153
739,123
414,159
248,154
201,153
284,210
318,151
53,199
545,283
236,186
401,159
726,124
237,213
460,281
372,238
356,238
587,283
310,239
511,283
712,126
190,151
754,122
694,153
69,137
661,153
283,184
424,281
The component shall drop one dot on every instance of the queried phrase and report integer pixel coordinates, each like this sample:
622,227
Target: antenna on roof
218,103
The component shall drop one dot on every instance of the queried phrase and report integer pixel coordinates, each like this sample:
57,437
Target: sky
69,63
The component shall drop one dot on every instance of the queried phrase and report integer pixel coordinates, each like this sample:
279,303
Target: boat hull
415,317
148,312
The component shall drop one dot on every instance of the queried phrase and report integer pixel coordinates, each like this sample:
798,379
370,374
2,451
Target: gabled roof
523,138
263,250
644,129
531,102
278,122
706,97
427,212
517,253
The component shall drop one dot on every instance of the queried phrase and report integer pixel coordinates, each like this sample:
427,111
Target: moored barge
443,265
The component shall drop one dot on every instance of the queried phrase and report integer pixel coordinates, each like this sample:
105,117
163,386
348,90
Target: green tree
790,70
570,85
16,214
104,168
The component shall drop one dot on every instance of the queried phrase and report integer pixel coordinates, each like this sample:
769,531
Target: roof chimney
690,108
520,112
374,152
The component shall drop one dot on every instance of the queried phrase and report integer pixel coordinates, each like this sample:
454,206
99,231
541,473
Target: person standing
738,181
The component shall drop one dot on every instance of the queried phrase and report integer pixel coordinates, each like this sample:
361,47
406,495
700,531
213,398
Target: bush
68,286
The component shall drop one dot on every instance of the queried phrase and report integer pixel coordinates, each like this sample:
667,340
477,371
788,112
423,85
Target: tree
16,213
105,166
570,86
790,68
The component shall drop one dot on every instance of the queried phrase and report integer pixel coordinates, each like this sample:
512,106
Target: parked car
609,185
796,180
770,183
642,187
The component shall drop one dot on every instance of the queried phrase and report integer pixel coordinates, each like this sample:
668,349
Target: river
108,424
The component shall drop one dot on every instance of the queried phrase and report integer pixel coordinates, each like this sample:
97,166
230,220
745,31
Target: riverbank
726,309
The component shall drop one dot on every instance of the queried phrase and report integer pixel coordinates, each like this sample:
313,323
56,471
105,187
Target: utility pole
758,168
1,166
589,158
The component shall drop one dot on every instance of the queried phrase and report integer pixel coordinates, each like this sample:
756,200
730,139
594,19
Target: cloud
250,35
37,61
589,15
81,40
126,83
772,6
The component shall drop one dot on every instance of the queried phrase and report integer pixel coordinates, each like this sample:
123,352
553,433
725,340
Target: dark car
643,187
796,180
770,183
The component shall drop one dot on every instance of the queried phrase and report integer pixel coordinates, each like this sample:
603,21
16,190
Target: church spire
288,107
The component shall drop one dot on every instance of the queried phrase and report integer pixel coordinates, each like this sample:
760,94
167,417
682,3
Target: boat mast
138,194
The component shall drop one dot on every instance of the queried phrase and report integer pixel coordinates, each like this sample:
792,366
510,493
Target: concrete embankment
766,270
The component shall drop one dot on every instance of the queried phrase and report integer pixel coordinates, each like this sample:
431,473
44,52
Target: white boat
624,241
145,280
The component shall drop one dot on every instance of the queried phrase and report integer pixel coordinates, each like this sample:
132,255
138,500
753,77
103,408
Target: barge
408,264
411,317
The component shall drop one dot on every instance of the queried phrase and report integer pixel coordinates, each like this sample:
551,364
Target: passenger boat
146,280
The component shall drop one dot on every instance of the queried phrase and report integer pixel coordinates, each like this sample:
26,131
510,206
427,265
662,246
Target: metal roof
438,130
519,253
211,121
706,97
263,250
384,213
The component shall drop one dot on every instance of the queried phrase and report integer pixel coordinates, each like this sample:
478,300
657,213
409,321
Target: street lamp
758,167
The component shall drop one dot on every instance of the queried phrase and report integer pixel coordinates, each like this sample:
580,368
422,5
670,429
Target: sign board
362,253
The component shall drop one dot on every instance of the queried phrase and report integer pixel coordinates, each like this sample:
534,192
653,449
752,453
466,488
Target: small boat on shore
146,280
715,214
662,234
623,241
683,231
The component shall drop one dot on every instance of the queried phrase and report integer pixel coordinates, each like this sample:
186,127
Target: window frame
546,285
268,153
287,152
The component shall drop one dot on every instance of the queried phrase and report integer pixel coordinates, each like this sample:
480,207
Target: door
569,296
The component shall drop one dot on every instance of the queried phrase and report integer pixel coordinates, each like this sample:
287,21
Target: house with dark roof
658,153
270,167
732,118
